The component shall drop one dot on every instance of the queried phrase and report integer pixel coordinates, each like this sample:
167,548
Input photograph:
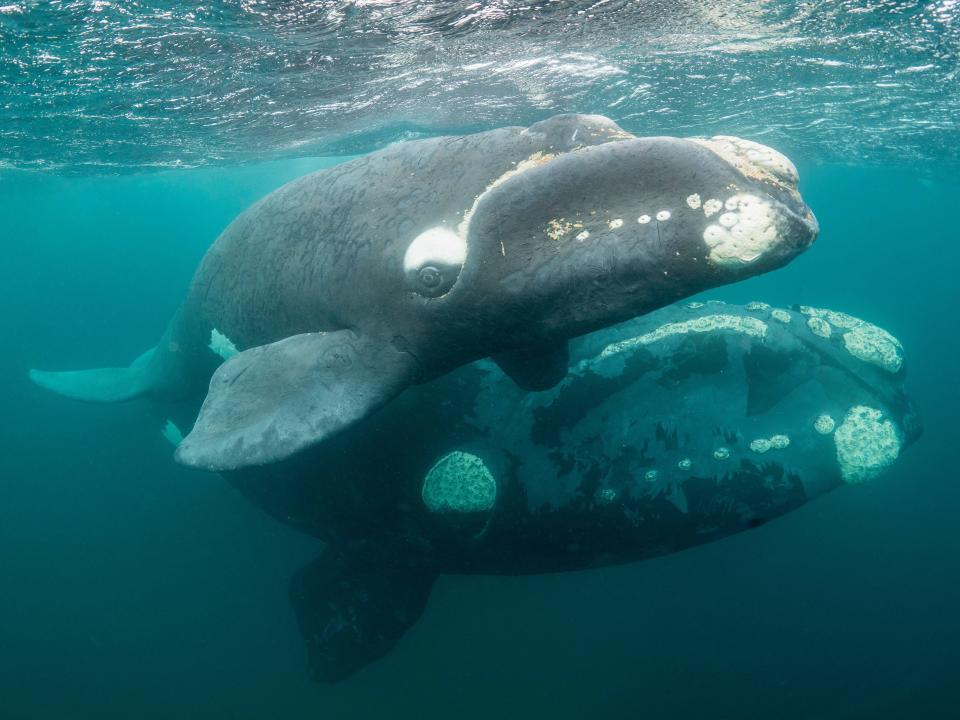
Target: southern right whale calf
336,292
687,425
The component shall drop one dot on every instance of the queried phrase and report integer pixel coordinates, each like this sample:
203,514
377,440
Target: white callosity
712,207
693,201
824,424
866,444
685,464
721,453
757,306
819,326
874,345
753,159
663,215
780,315
615,223
436,246
774,442
744,233
222,345
863,340
583,235
651,475
708,323
459,482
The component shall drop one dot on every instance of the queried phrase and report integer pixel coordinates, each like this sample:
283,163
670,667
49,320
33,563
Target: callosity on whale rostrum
336,292
675,429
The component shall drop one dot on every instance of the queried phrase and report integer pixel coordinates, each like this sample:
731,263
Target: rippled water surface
92,84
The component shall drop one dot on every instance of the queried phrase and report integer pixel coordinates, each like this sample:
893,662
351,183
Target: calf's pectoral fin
536,367
353,607
268,402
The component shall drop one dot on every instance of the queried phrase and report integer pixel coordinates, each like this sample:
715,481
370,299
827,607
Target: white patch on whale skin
780,315
222,345
824,424
707,323
819,327
437,245
615,223
172,433
663,216
643,219
693,201
866,444
863,340
753,159
459,482
745,233
583,235
712,207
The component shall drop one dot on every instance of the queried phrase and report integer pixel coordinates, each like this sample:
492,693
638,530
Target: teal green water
134,588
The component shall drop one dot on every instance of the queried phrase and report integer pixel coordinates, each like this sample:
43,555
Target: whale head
578,239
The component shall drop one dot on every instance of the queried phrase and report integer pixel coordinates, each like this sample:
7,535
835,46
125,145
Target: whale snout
764,220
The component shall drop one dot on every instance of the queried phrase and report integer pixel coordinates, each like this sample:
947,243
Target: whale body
334,293
692,423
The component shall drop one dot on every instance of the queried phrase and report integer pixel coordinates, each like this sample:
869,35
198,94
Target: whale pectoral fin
268,402
353,607
537,367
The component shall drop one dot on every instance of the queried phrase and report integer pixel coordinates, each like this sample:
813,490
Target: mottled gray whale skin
346,286
679,428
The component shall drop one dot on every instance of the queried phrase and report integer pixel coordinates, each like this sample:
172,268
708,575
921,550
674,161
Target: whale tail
105,385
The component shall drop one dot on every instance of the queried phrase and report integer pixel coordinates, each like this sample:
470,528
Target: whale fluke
104,385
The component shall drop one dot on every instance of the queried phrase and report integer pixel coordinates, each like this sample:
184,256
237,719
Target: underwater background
131,134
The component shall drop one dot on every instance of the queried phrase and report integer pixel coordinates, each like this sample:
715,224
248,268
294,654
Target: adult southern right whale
340,289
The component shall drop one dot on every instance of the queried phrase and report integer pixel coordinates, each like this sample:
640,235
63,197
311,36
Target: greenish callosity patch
874,345
824,424
459,482
819,326
867,444
705,324
863,340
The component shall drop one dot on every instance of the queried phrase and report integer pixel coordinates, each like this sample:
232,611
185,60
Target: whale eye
433,261
430,276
